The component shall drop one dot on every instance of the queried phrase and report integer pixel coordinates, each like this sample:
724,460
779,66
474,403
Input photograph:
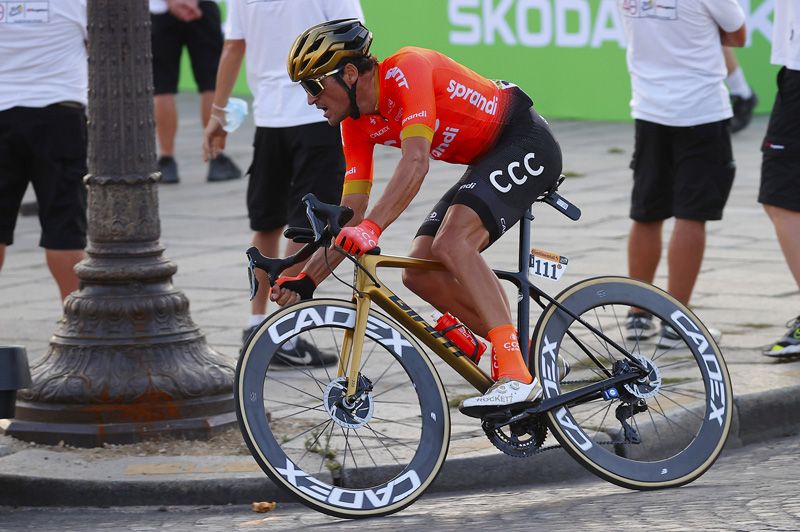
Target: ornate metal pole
126,362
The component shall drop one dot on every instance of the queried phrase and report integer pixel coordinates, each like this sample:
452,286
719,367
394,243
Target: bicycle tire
275,413
688,393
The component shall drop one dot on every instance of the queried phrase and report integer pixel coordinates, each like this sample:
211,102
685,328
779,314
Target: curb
756,417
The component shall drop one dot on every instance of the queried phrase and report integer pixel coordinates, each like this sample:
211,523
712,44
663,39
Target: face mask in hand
235,111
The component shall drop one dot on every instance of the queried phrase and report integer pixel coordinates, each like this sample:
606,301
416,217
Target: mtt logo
397,74
496,176
396,490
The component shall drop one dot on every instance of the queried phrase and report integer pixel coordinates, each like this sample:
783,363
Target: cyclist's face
333,100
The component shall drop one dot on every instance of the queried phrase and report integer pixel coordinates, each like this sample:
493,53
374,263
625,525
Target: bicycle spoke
388,367
293,387
390,389
660,411
317,408
314,341
394,421
313,443
327,446
366,448
377,434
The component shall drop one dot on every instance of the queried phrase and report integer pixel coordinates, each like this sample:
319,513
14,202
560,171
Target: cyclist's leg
503,185
441,289
458,245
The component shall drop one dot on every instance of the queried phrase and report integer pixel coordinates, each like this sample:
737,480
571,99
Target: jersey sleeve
358,160
727,14
234,21
344,9
410,82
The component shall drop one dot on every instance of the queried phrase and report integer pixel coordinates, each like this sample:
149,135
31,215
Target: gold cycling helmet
319,49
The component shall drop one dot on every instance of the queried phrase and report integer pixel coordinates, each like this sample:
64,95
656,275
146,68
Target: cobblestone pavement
754,488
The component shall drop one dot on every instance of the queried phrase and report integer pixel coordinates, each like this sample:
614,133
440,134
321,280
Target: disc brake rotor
648,385
349,412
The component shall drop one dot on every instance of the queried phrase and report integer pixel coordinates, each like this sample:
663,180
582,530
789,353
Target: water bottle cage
476,350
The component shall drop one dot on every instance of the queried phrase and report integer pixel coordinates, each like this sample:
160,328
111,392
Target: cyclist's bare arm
399,192
404,184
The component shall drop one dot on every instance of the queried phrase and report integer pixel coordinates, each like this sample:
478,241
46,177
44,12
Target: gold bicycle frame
368,291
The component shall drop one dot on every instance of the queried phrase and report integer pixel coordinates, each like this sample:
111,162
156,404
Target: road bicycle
366,437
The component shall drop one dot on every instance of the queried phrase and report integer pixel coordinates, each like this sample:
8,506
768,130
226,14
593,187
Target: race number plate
547,265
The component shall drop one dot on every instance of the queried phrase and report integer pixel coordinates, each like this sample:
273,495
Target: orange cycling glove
359,239
303,284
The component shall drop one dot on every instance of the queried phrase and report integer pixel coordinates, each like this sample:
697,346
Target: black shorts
686,172
780,166
288,163
47,148
203,37
524,162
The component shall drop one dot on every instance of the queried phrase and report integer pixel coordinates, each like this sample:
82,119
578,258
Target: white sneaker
504,392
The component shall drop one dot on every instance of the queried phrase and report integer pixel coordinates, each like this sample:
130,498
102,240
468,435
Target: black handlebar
326,222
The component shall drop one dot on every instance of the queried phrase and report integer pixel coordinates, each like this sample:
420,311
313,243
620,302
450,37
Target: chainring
520,439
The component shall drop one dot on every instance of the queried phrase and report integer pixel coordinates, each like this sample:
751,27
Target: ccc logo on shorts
502,183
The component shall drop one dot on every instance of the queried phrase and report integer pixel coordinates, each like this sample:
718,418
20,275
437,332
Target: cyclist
430,106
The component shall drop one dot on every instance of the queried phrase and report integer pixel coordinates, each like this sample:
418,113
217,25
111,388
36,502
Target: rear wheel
366,456
665,429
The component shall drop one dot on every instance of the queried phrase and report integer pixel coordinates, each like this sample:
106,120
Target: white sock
255,319
737,84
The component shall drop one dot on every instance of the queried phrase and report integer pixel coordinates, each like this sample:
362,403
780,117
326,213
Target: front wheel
365,456
662,430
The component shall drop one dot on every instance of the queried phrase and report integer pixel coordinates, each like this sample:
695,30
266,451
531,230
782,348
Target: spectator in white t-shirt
295,150
780,168
43,138
196,26
683,165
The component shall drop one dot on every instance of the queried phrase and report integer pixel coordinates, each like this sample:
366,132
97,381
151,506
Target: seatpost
523,299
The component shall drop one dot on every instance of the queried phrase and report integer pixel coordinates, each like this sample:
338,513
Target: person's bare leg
61,263
686,247
787,228
2,255
166,117
268,243
644,250
206,99
731,63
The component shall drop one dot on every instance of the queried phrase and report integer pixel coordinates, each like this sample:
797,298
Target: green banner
568,55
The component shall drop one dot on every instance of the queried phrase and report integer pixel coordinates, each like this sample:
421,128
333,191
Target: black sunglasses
314,86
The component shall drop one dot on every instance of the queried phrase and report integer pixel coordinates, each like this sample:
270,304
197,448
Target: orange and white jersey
422,93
